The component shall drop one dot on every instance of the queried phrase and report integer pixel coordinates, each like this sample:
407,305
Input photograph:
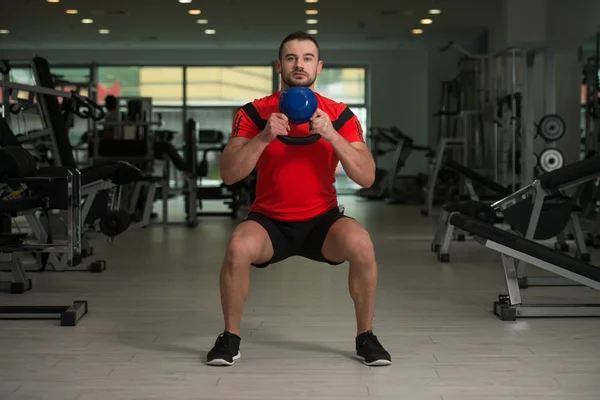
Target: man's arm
345,135
248,142
356,159
240,157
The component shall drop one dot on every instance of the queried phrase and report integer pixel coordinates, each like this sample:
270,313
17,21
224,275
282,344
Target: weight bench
440,245
557,210
513,249
525,211
471,176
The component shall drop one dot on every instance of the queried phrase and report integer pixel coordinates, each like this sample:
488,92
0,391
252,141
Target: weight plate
551,159
552,128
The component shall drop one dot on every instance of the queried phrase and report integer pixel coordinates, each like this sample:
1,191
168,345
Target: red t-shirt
295,183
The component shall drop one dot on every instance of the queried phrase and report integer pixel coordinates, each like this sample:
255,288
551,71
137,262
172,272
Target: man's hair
299,35
111,102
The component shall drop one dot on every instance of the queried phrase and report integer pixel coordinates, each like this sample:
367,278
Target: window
346,85
163,84
79,79
227,86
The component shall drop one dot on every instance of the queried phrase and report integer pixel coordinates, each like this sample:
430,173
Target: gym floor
155,312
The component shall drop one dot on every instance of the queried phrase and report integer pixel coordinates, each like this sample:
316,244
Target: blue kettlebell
298,104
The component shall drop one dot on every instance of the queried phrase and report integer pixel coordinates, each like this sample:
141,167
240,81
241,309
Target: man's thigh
344,239
267,235
326,232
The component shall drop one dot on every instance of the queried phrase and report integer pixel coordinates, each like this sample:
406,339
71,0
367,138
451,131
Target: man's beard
290,83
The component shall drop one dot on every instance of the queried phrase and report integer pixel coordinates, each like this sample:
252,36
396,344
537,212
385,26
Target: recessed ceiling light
210,31
194,12
311,21
435,11
417,31
426,21
312,12
53,1
202,21
104,31
312,31
72,12
4,31
87,21
185,1
311,1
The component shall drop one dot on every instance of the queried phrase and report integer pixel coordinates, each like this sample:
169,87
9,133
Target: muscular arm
240,157
356,160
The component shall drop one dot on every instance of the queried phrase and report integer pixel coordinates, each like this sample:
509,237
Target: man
296,210
112,109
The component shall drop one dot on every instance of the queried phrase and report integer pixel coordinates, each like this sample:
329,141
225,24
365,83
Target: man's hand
277,125
321,124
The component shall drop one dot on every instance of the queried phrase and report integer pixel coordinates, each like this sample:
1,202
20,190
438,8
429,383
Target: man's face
299,64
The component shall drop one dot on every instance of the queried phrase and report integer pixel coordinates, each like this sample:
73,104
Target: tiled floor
155,312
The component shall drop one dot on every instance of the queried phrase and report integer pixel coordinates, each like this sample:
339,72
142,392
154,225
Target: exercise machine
386,186
26,190
516,250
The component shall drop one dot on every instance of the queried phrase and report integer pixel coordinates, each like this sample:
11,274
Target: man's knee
240,250
356,244
360,247
246,246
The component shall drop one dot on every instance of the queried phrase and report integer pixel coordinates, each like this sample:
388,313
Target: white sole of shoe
376,363
224,363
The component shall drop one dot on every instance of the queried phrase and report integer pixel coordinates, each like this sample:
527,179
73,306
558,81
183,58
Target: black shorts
298,238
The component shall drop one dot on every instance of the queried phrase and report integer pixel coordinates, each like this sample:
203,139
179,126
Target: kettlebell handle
299,140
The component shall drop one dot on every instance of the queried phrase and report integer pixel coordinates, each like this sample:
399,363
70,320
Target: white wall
397,85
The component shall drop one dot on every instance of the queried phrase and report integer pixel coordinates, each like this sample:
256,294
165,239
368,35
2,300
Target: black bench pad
119,173
570,173
478,178
525,246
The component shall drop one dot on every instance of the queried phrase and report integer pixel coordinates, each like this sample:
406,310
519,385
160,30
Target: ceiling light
4,31
72,12
53,1
210,31
87,21
312,12
417,31
104,31
435,11
311,21
194,12
426,21
185,1
311,1
312,31
202,21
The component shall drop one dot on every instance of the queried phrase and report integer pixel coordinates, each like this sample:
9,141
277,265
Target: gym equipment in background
514,250
542,210
386,186
477,207
213,141
98,183
39,190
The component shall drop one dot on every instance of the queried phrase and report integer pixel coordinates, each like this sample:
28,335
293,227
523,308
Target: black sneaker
370,351
225,351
